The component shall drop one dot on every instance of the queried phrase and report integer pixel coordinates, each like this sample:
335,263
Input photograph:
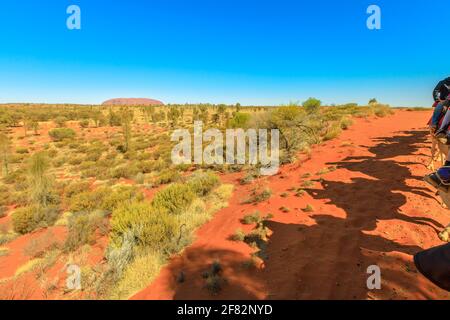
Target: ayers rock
133,102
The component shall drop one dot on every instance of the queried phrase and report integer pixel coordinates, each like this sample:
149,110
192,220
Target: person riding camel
439,124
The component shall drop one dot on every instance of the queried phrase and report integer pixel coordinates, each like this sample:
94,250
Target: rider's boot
440,179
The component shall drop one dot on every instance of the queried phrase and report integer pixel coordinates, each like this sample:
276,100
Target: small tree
127,117
39,180
373,102
34,125
312,105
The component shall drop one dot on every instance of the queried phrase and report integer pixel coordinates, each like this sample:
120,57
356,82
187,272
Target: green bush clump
76,188
203,183
174,199
121,195
167,176
30,218
124,171
82,227
60,134
89,200
151,229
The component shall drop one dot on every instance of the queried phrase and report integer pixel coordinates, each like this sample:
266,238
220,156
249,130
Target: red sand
374,209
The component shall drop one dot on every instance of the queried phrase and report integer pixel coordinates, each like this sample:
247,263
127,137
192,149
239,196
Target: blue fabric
444,174
437,114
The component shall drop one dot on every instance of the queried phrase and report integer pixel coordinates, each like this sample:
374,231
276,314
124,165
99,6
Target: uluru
133,102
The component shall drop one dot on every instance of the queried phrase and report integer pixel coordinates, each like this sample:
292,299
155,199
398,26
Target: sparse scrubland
104,175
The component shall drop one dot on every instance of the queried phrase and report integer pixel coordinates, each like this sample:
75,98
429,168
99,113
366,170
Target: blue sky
222,51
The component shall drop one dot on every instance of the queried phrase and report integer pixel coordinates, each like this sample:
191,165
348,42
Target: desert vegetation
101,179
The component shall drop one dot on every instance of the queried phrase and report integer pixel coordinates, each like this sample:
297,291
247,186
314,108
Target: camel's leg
433,152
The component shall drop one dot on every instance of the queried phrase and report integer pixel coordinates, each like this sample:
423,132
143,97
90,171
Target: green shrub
121,195
252,218
76,188
82,227
28,219
173,199
203,183
151,229
167,176
60,134
89,200
124,171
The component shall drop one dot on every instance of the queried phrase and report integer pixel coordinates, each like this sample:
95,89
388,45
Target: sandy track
373,210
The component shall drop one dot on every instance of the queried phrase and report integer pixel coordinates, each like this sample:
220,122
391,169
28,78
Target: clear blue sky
247,51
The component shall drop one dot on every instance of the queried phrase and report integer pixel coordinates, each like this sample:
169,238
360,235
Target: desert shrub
252,218
89,200
137,275
173,199
5,195
60,121
121,195
75,161
14,176
76,187
345,123
240,120
238,235
333,132
82,227
308,208
203,183
151,229
381,110
312,105
28,219
60,134
167,176
93,155
84,123
124,171
213,279
259,196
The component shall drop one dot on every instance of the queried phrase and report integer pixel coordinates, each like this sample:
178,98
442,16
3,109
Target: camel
439,152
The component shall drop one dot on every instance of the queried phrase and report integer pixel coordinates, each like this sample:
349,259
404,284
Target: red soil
373,210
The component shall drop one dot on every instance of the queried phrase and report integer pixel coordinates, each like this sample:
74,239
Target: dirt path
373,210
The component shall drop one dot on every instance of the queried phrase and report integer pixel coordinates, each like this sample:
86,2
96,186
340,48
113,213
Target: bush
27,219
333,132
82,229
150,228
89,200
312,105
203,183
84,123
239,121
174,199
167,176
76,188
61,134
121,195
